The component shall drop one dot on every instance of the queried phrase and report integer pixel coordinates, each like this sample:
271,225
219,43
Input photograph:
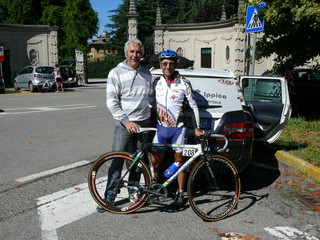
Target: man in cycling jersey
172,93
57,77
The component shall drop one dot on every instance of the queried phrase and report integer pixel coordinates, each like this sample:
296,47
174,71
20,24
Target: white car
257,111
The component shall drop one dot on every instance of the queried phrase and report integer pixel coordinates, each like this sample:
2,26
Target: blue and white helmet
168,54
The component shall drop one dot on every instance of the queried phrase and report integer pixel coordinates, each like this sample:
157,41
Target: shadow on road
262,171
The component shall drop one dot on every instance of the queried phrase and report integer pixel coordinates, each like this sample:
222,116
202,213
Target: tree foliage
21,11
198,11
292,32
76,19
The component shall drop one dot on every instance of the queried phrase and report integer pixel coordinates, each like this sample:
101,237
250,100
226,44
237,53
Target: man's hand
132,127
198,132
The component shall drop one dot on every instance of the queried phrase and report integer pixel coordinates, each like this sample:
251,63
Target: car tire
1,90
15,86
31,87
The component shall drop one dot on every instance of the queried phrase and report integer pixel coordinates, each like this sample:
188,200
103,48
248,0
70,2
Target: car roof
205,72
35,66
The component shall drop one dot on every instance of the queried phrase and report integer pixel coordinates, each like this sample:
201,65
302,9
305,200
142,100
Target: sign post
1,54
1,59
254,24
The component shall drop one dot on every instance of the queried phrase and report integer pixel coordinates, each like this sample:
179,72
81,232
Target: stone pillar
53,47
158,33
81,68
223,14
132,21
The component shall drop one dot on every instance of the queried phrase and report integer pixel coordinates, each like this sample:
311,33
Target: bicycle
46,85
213,186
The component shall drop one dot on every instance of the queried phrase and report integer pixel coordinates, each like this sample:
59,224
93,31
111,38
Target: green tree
292,32
199,11
21,12
77,22
80,23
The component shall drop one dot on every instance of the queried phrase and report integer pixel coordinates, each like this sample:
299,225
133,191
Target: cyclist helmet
168,54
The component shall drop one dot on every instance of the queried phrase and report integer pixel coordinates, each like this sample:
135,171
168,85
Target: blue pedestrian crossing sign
254,20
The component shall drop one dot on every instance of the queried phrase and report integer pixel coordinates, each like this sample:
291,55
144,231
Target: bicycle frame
143,149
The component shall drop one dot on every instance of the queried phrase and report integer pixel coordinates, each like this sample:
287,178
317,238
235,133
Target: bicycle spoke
123,189
213,188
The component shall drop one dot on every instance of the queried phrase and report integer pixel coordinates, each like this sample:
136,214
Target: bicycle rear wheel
43,87
134,177
213,188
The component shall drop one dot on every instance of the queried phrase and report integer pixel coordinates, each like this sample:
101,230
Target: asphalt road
48,142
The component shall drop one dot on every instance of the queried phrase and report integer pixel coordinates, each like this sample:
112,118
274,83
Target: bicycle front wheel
116,172
213,188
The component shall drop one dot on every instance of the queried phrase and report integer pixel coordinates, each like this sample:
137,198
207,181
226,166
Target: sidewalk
309,169
97,80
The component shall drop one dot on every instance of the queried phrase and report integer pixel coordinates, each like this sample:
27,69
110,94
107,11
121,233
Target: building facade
27,45
220,45
97,49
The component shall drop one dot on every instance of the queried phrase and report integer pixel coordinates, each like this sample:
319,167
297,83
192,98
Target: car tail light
238,130
36,75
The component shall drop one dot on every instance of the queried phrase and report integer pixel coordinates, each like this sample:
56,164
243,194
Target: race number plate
188,152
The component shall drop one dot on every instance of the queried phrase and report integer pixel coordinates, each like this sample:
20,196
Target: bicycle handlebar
214,135
226,142
146,129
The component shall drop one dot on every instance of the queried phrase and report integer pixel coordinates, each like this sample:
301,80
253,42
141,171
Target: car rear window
306,76
262,90
47,70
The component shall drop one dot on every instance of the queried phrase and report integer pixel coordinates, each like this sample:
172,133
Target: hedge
101,69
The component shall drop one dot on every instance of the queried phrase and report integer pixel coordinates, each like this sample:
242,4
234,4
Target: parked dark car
2,85
304,87
68,72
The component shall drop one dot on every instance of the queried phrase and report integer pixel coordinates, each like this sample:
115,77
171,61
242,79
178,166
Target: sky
103,7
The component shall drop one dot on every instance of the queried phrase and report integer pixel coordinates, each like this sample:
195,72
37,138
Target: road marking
11,111
66,206
52,171
288,233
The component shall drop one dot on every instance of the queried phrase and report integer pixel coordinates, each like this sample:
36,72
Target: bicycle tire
97,181
213,198
43,87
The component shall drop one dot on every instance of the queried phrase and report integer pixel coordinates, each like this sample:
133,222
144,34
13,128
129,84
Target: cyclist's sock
180,192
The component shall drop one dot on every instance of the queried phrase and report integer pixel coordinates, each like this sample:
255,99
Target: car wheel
15,86
1,90
31,87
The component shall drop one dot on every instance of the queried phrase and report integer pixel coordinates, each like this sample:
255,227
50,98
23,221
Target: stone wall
28,45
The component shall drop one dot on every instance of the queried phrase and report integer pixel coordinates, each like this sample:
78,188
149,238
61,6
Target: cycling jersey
170,99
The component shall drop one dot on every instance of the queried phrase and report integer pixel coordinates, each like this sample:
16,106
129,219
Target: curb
312,171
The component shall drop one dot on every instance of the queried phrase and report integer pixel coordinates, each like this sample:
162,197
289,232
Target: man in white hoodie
129,93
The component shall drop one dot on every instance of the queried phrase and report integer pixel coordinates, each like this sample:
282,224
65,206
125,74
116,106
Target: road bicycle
213,186
46,85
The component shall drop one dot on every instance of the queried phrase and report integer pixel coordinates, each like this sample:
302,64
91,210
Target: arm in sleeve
113,98
193,104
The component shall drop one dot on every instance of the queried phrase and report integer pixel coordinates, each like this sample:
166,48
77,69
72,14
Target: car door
24,76
267,99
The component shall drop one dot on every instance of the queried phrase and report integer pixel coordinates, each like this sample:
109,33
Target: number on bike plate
188,152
